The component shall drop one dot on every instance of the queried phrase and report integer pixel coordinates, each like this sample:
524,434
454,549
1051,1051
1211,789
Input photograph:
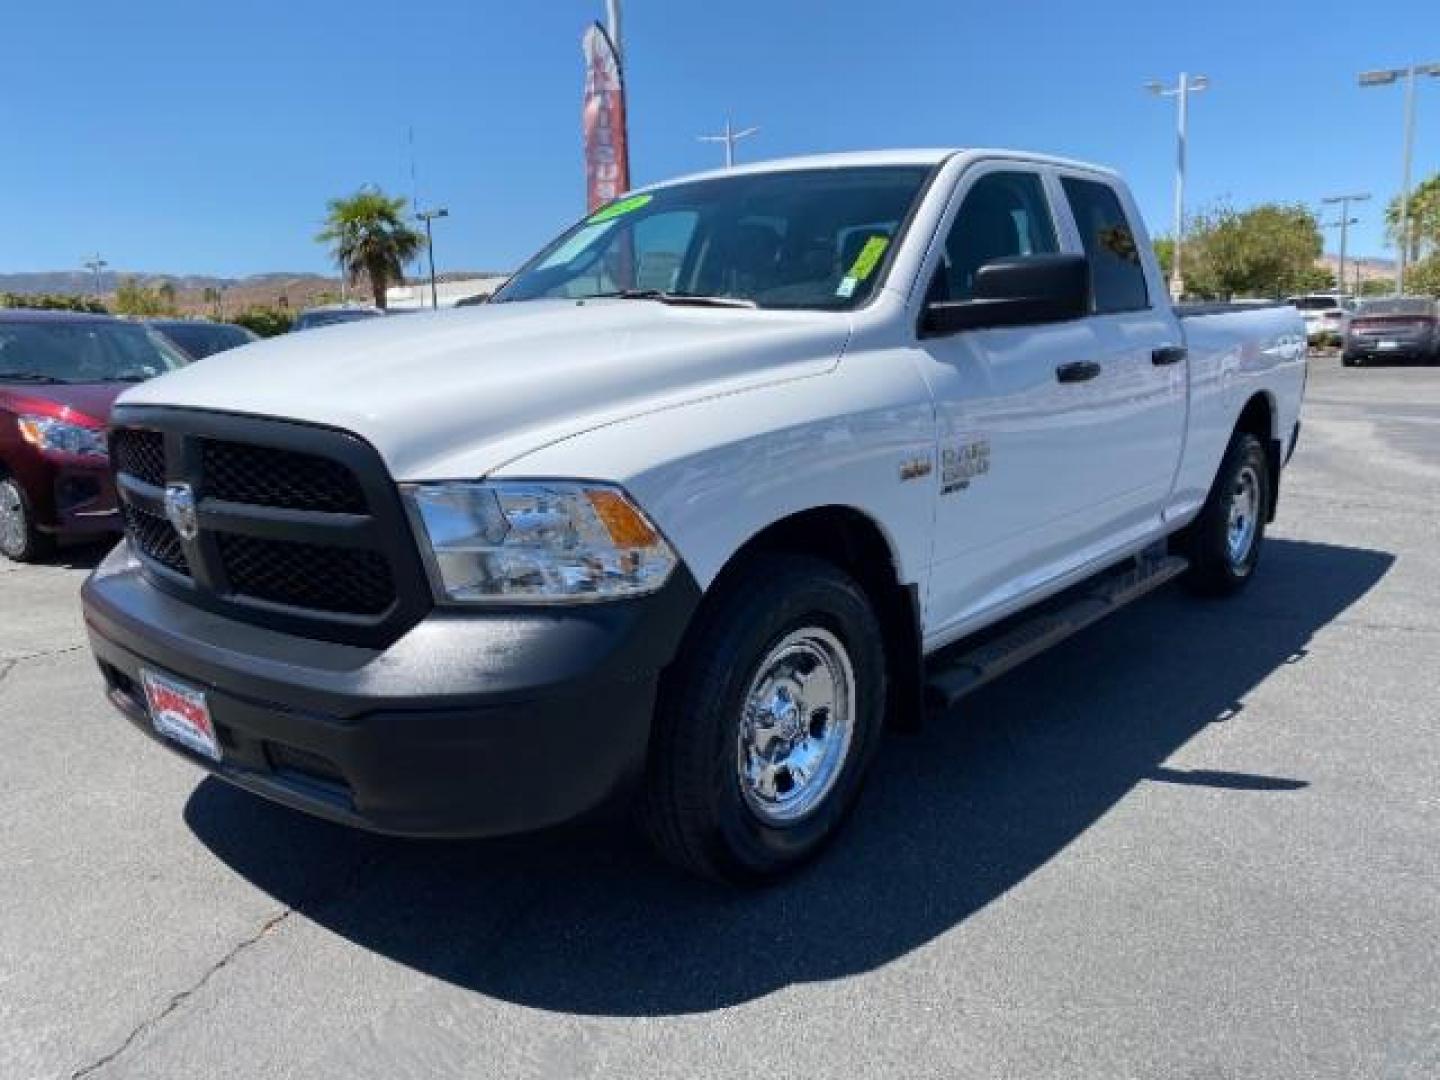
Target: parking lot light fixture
96,265
1344,224
427,216
1181,91
1384,77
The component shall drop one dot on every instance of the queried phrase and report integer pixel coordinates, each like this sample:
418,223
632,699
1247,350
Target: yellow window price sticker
869,257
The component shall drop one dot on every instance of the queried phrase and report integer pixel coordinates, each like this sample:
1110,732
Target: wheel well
1258,419
853,541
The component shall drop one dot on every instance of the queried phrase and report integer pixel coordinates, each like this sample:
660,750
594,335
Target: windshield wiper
29,376
682,299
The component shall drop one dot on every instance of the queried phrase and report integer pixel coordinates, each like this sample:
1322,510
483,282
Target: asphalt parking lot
1200,840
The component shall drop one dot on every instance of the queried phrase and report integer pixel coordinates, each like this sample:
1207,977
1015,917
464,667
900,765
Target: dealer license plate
179,712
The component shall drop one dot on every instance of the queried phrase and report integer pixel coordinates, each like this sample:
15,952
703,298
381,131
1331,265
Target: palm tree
368,236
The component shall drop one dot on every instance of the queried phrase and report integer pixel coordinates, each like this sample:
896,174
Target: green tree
368,236
1165,253
265,321
52,302
1267,250
1423,277
1424,219
1380,286
137,299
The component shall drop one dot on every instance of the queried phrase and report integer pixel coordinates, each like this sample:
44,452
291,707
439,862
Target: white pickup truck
736,473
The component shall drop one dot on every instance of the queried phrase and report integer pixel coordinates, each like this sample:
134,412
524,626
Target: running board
1073,610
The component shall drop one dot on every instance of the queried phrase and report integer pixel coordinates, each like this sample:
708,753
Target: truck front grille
306,575
155,538
297,527
263,476
140,454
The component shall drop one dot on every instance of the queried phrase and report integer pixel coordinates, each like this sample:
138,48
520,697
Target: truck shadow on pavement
584,920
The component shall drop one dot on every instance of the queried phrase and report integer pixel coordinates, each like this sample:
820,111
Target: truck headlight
61,436
537,541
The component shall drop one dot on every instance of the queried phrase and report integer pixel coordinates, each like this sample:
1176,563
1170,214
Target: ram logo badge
180,509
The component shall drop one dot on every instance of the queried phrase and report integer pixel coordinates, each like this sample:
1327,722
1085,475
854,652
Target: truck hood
457,394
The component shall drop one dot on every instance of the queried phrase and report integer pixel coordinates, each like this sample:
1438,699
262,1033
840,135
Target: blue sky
171,138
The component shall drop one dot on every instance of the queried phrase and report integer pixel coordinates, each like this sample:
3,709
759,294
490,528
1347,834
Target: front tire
1223,543
20,541
766,726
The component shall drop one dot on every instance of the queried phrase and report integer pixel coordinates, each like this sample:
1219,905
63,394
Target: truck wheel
766,726
20,541
1223,543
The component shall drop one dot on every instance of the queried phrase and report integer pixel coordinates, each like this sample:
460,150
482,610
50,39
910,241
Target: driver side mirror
1020,290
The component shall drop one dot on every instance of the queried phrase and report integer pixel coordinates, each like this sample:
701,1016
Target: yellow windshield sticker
869,257
863,266
616,209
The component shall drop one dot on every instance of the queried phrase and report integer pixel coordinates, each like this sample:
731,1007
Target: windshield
814,238
201,339
1401,306
84,352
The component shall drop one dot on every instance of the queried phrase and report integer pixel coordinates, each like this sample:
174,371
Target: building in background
416,296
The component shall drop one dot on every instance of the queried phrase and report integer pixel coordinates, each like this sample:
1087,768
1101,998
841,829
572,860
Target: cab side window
1117,276
1004,214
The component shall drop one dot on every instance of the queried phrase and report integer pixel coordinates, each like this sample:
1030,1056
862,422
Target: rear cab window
1117,271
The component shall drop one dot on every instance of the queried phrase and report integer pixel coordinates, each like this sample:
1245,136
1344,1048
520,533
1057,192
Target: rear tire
767,724
20,540
1223,543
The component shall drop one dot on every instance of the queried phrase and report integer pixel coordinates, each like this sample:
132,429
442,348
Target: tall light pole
729,137
1344,223
428,216
95,265
1385,78
1181,91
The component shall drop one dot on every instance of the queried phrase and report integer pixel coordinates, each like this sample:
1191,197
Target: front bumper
471,724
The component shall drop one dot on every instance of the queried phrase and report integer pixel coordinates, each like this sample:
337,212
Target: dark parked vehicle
1400,328
59,374
330,316
201,338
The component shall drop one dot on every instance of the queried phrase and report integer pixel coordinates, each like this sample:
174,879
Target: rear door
1139,411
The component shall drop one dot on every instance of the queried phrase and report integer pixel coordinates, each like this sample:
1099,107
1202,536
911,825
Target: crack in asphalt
9,665
178,999
352,882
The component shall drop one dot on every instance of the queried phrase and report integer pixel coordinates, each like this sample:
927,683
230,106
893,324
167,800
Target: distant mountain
81,282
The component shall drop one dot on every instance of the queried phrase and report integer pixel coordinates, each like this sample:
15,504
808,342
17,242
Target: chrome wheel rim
797,725
12,518
1244,516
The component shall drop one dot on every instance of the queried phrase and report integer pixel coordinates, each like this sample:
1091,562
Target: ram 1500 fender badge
963,462
916,467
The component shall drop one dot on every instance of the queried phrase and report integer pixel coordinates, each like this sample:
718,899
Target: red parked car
60,372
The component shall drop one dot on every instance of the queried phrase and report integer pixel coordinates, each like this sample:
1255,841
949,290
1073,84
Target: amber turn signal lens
621,520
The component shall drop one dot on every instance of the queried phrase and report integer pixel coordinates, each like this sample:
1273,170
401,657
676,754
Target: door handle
1168,354
1077,371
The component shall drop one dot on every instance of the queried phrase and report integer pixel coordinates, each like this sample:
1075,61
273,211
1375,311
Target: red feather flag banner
602,118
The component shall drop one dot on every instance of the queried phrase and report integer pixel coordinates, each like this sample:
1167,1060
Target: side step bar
956,674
